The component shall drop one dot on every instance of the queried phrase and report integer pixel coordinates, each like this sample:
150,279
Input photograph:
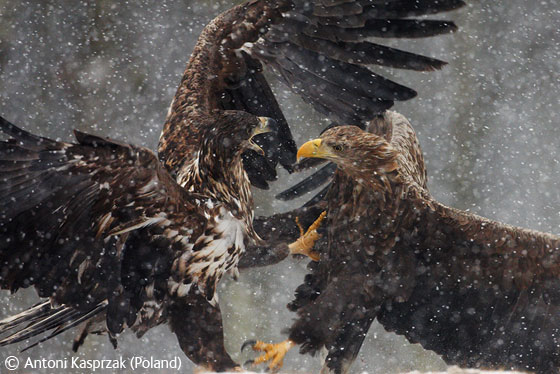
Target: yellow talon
300,227
274,353
315,225
304,244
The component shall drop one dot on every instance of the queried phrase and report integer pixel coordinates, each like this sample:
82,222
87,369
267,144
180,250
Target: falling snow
489,125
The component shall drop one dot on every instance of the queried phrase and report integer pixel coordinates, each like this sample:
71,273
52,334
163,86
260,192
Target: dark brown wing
100,228
320,51
93,221
252,93
338,299
485,294
318,48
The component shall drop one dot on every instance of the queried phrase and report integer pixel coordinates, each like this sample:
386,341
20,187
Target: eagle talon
248,343
304,244
273,354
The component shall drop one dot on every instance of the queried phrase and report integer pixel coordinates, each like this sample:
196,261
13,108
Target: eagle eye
338,147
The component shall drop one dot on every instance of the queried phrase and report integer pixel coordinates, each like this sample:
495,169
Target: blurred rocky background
488,124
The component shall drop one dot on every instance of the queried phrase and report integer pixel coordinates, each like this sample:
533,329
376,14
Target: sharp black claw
248,343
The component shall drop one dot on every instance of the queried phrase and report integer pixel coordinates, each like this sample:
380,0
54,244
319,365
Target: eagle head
355,151
235,131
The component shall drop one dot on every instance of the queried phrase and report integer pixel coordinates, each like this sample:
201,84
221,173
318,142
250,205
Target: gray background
488,124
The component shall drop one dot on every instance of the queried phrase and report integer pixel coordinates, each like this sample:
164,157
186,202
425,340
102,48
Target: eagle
78,211
101,227
480,293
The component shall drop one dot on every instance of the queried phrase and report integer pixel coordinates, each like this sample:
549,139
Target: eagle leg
274,353
304,244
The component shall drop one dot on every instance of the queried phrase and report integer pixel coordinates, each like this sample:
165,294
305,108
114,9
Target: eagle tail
42,318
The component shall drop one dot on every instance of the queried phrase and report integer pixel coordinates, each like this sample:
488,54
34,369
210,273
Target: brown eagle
478,292
101,228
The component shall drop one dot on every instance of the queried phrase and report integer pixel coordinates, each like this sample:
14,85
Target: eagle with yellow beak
478,292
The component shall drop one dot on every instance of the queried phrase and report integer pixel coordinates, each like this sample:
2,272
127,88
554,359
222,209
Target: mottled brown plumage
478,292
101,228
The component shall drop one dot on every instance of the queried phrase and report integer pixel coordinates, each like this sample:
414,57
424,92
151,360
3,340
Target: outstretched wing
93,221
485,294
320,49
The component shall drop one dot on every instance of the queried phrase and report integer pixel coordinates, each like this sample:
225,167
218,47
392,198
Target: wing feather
89,222
488,294
310,183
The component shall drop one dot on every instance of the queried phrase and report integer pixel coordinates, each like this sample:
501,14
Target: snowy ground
457,370
450,370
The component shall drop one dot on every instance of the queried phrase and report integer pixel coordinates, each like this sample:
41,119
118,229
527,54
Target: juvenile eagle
478,292
100,227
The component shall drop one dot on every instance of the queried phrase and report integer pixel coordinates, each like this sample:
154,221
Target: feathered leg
339,326
199,330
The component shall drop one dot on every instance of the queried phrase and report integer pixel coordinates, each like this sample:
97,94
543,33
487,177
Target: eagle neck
384,184
389,187
221,177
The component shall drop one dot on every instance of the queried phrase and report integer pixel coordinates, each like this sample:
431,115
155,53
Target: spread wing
485,294
97,222
320,49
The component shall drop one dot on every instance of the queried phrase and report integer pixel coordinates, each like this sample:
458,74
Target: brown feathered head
233,132
356,152
210,156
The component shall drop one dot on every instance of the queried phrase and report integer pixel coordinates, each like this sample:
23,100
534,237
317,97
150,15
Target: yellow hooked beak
314,148
265,125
